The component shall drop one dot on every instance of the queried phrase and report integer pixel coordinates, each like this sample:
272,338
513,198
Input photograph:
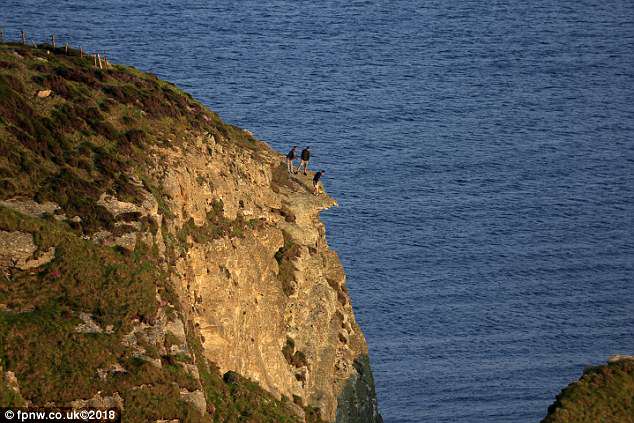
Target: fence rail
100,58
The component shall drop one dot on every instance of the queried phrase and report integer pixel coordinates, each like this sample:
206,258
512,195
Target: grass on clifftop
603,394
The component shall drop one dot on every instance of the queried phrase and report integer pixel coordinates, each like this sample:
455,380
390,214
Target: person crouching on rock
305,157
289,160
316,179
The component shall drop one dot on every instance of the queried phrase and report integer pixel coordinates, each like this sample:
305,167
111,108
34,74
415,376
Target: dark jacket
291,154
316,177
305,154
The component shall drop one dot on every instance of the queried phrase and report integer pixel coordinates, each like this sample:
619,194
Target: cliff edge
157,259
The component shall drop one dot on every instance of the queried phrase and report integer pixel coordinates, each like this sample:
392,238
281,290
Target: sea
481,152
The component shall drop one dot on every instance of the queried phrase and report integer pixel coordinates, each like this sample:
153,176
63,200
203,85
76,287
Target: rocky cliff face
156,248
270,299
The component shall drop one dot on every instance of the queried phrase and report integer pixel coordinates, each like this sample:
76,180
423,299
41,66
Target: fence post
95,57
23,37
99,59
66,48
53,40
1,35
81,52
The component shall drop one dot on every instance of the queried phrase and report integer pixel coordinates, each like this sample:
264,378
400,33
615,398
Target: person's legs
305,166
289,165
315,188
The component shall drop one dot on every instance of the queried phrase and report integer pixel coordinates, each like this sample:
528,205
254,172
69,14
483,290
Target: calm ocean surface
482,154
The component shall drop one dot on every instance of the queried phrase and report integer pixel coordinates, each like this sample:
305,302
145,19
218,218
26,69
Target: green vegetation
216,226
158,402
603,394
84,276
38,340
92,133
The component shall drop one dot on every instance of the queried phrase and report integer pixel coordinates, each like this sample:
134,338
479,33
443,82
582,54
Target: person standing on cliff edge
305,158
316,181
289,160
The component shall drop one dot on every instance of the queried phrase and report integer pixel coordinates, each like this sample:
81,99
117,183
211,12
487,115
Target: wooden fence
100,59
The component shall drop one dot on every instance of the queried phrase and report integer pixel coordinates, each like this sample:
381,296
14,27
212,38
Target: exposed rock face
30,207
44,93
17,250
282,320
357,401
619,357
99,401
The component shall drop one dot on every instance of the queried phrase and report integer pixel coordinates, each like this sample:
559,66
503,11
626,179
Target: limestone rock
9,385
12,381
88,325
17,250
247,296
619,357
30,207
127,241
192,369
44,93
357,401
117,207
196,398
15,247
99,401
46,257
115,368
148,207
153,335
176,328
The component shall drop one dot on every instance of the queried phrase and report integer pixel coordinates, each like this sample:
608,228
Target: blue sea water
482,153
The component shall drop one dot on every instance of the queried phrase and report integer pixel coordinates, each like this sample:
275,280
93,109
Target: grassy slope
74,145
87,138
604,394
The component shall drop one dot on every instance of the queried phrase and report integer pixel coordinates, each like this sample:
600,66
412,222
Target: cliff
158,259
603,394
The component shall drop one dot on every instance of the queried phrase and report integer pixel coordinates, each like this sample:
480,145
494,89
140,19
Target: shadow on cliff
357,401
